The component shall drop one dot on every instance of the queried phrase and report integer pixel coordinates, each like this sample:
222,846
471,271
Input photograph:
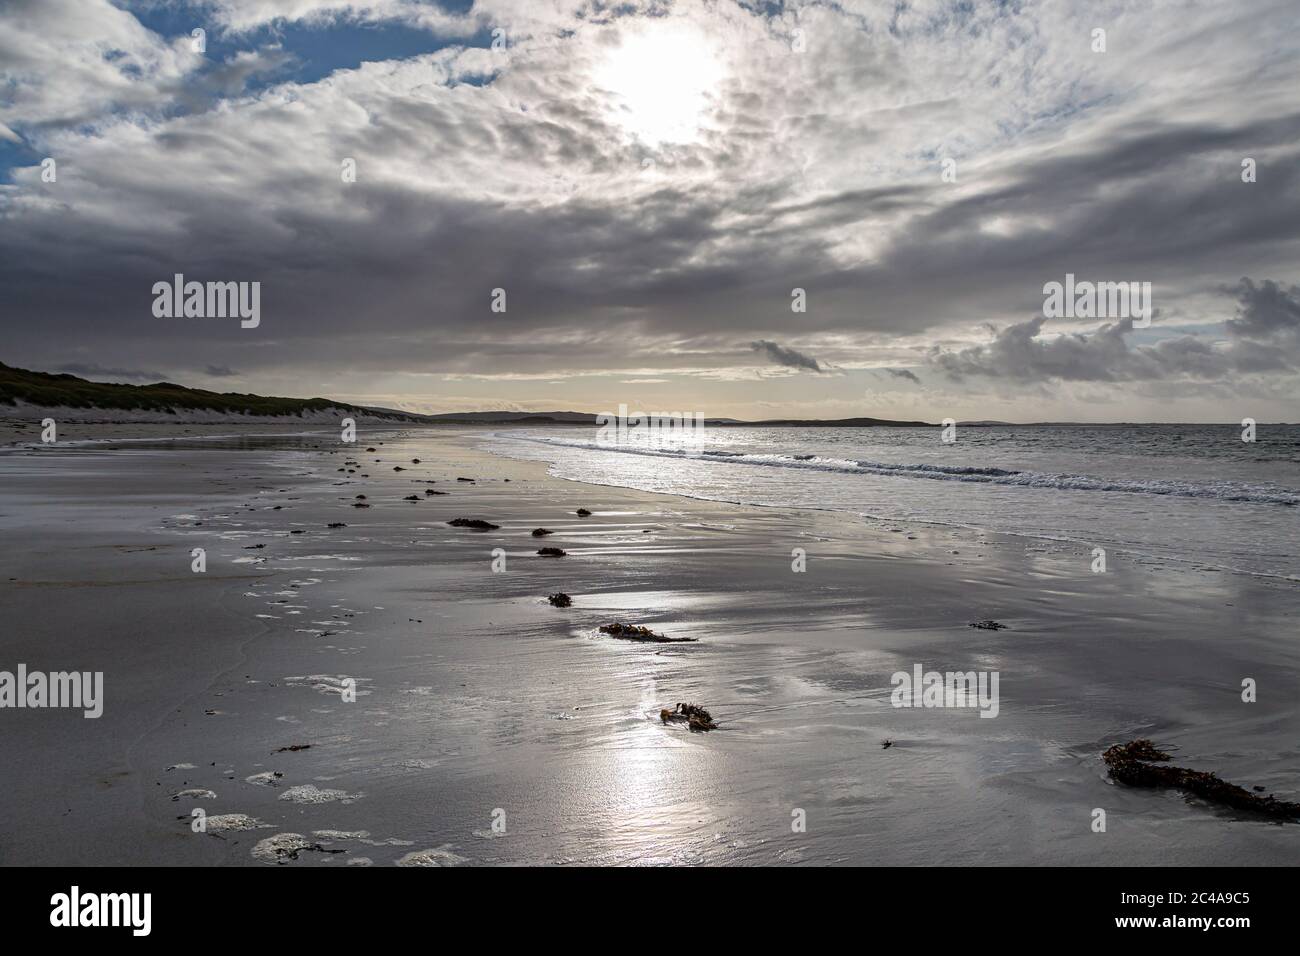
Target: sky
743,209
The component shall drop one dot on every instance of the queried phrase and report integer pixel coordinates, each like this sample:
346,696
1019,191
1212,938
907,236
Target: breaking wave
1223,491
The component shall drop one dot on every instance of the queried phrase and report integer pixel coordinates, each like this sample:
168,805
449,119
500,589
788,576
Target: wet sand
478,701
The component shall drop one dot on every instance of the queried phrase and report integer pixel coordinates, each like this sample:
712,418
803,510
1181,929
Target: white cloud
244,15
72,61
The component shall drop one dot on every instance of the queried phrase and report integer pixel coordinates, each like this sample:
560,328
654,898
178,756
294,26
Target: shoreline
1172,562
125,433
24,434
473,694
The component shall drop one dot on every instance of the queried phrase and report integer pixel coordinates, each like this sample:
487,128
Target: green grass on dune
49,390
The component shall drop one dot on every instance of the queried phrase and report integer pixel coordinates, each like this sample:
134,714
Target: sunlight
661,80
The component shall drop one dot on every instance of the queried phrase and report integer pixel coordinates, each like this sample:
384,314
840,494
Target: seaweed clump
560,599
638,632
478,524
552,552
989,625
1136,763
541,532
695,716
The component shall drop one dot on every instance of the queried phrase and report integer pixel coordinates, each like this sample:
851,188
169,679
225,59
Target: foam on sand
441,856
234,821
310,793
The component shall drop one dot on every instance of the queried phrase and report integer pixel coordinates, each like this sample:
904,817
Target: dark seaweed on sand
541,532
291,853
696,717
560,599
552,552
988,625
1136,764
638,632
478,524
583,513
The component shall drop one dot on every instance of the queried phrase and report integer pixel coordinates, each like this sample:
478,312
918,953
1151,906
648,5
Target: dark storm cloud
414,264
787,357
1264,340
1265,309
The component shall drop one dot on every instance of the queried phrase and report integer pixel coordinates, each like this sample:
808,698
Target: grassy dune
60,391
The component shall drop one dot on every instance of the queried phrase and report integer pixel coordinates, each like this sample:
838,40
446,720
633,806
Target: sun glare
660,82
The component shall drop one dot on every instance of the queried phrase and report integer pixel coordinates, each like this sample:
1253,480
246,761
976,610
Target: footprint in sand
195,794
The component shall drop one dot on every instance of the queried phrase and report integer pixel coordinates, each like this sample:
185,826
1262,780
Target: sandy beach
489,727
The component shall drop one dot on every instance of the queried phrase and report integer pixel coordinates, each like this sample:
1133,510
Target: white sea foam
309,793
441,856
233,821
1225,490
1194,496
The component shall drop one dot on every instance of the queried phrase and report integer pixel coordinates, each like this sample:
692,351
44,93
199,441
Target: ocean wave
1223,491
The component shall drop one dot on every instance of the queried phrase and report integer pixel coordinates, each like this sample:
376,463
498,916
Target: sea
1192,495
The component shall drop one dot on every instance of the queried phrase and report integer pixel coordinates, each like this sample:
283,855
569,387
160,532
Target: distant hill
541,418
830,423
503,418
50,390
47,390
583,418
